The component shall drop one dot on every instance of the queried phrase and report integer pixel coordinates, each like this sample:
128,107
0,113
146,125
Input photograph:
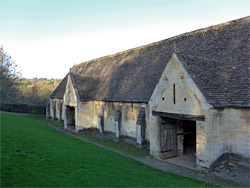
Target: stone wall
230,132
56,109
203,158
130,112
129,115
70,98
59,110
148,114
51,108
110,109
87,114
176,93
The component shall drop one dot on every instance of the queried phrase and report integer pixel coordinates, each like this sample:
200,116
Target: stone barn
188,93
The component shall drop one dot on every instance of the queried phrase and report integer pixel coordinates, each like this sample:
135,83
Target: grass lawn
35,155
106,141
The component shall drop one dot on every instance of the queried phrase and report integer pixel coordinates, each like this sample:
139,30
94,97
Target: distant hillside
35,91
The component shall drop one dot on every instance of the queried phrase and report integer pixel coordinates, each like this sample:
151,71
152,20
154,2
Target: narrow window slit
174,93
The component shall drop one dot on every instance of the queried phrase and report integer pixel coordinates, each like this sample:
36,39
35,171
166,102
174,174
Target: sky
48,37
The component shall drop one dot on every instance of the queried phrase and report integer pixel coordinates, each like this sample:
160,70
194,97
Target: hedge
23,108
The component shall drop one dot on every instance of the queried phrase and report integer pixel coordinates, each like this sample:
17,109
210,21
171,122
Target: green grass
109,142
33,154
120,146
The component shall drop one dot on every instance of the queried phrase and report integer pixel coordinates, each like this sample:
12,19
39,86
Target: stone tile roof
216,57
59,91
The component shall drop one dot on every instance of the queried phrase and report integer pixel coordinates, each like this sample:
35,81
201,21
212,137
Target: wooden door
168,139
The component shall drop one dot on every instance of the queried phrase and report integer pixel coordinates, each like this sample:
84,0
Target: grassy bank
33,154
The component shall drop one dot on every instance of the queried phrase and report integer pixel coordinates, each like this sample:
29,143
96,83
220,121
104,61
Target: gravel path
164,166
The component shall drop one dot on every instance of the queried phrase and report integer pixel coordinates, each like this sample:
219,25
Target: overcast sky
47,37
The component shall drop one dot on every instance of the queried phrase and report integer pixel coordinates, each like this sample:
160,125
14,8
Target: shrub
23,108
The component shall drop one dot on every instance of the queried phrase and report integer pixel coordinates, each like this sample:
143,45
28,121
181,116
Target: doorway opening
186,137
180,136
70,113
189,140
177,136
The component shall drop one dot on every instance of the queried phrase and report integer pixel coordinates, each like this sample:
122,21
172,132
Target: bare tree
8,75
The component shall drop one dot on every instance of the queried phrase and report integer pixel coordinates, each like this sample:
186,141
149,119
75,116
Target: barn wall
230,132
63,110
56,104
110,110
87,114
148,123
51,108
177,93
130,112
88,111
59,109
70,98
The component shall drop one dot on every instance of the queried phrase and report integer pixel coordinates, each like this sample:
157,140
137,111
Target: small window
185,99
174,93
182,77
163,98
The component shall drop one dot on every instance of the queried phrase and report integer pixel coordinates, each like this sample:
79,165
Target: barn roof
59,91
217,58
